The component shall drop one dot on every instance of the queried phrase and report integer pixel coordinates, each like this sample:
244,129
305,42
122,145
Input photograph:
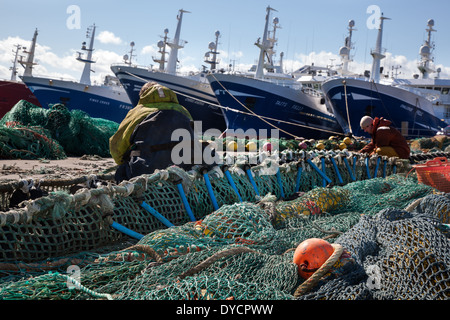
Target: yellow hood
154,98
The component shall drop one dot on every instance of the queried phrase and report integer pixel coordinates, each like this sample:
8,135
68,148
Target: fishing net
172,236
28,142
59,132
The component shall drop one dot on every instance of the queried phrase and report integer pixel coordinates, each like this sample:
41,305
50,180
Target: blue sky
311,31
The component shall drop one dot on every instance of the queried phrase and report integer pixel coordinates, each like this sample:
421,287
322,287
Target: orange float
310,255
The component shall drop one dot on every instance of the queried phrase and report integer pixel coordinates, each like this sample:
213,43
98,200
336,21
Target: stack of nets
28,142
393,231
57,132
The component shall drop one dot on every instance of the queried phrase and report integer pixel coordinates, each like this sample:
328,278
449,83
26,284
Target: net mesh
393,231
108,241
31,132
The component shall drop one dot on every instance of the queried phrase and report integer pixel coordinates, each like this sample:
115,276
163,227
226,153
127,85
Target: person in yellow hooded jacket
143,142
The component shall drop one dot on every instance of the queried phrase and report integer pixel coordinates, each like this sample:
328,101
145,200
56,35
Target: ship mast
272,40
86,75
425,52
265,46
14,66
28,65
377,53
128,58
175,44
344,51
162,50
213,50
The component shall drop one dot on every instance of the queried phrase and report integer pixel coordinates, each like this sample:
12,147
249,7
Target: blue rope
367,167
210,191
323,175
185,202
231,182
337,170
350,171
324,183
376,167
249,174
127,231
299,175
280,183
156,214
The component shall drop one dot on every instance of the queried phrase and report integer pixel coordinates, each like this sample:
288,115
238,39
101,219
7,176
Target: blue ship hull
97,101
195,95
410,113
292,112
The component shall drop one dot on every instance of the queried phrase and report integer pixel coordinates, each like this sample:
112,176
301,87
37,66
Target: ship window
250,102
445,90
447,112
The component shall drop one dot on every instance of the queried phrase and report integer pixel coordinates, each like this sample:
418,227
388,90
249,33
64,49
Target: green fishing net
59,131
393,231
232,239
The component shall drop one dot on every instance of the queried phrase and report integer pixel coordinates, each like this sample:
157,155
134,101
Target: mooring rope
346,106
262,117
250,113
213,259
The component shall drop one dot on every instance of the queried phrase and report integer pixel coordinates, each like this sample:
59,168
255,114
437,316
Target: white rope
26,186
128,186
85,194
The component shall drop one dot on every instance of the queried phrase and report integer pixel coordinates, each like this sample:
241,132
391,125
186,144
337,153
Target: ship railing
417,133
431,96
312,92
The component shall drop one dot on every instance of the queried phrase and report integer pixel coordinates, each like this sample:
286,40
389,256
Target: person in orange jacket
386,140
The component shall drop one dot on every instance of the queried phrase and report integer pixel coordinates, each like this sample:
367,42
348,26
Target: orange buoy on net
310,255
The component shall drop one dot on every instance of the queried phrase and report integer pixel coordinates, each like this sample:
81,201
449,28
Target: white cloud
149,50
52,65
107,37
7,51
392,65
66,66
102,67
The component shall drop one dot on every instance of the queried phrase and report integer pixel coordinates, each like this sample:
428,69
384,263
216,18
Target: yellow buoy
251,146
232,146
320,146
347,140
342,145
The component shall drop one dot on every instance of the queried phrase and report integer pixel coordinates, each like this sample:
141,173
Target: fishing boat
193,90
410,109
429,83
312,76
270,99
108,100
12,91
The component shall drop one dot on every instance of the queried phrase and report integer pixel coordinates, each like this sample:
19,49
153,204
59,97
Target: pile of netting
231,233
430,144
31,132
